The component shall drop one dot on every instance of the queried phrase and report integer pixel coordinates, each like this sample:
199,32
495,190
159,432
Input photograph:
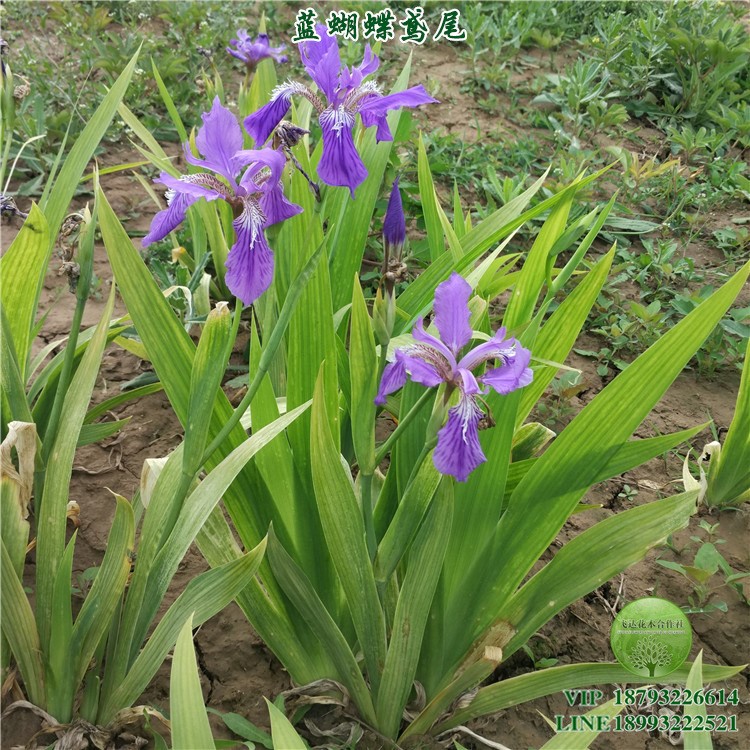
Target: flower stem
242,407
402,425
269,350
365,483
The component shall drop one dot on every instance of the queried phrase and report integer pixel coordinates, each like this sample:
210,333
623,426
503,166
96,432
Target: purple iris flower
247,179
431,361
252,52
346,93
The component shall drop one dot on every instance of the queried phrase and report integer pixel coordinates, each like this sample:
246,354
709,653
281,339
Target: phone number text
674,723
643,697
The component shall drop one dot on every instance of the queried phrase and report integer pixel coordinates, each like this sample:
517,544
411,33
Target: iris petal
261,48
199,185
412,97
452,312
261,124
183,192
322,62
458,450
239,55
383,132
340,164
394,377
374,108
352,79
419,333
259,159
498,347
276,207
422,372
218,139
170,218
251,52
515,374
250,261
468,385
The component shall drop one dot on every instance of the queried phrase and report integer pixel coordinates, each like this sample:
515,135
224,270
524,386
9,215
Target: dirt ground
238,670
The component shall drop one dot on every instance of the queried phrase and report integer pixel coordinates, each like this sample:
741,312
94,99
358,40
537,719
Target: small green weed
725,346
557,408
734,242
702,570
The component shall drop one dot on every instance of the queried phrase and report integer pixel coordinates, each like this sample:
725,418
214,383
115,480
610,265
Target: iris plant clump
372,586
432,362
249,181
346,93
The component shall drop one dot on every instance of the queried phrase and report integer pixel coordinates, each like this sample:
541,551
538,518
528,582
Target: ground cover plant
386,527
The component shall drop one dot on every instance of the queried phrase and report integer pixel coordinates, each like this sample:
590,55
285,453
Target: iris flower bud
394,225
394,236
383,317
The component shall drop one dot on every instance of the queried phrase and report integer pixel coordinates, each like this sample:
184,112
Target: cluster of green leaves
728,481
504,29
97,663
372,580
685,61
662,278
188,717
684,65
